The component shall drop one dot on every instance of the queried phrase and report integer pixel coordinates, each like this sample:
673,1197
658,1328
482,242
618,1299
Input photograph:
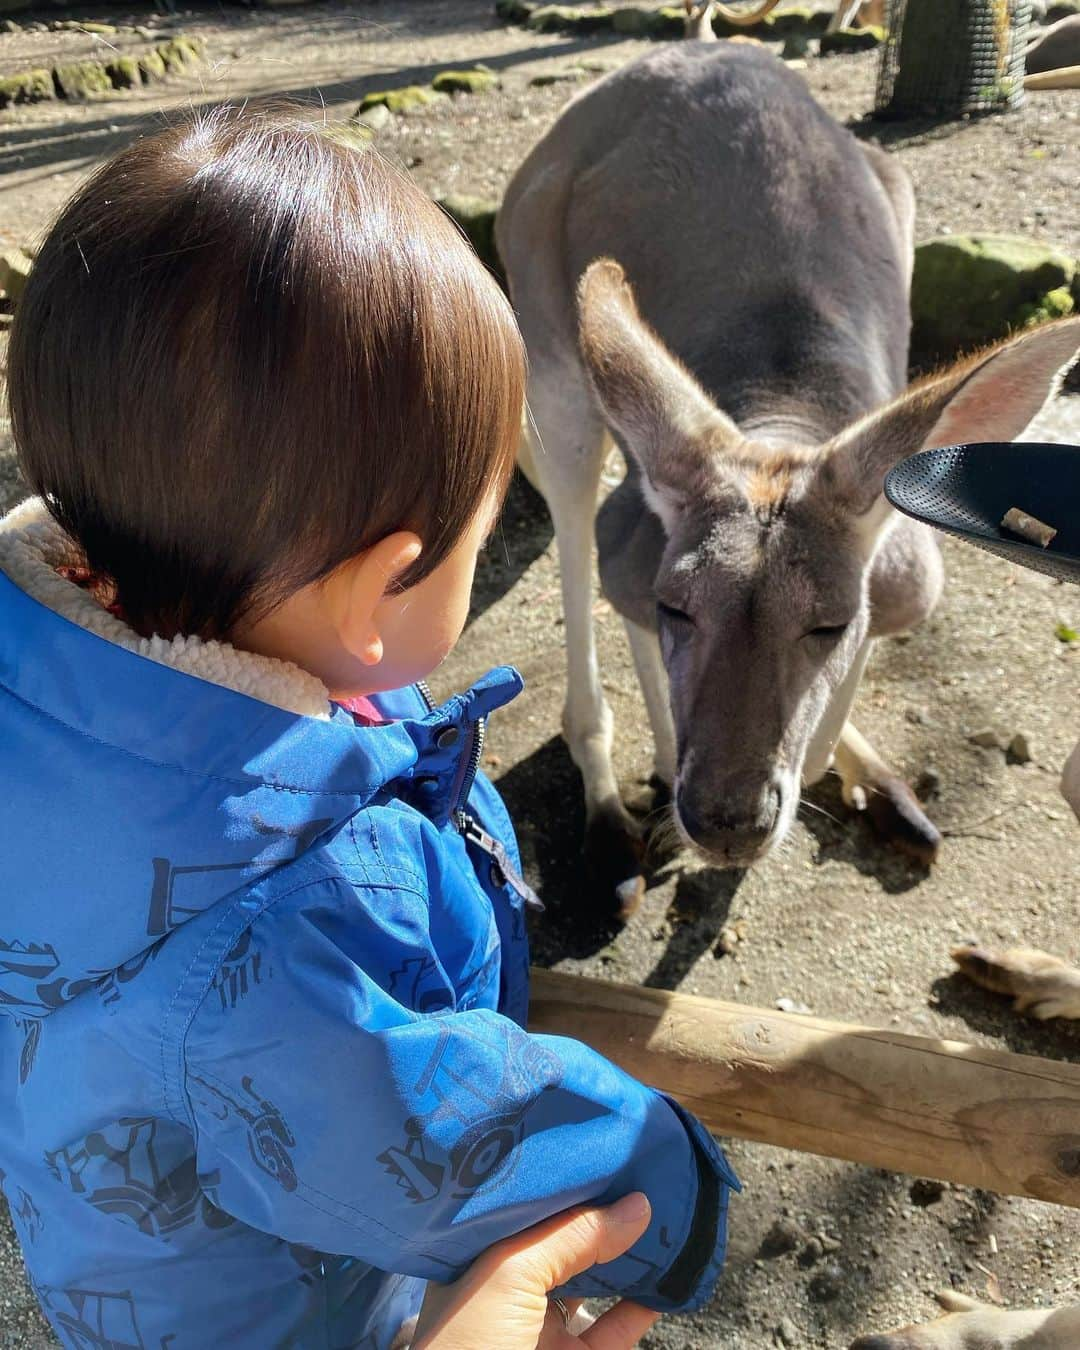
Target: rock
151,67
796,46
404,100
465,81
787,1332
790,1005
179,53
82,80
28,86
812,1253
14,270
1018,751
1056,47
124,72
476,216
928,784
798,20
372,119
924,1192
514,11
784,1236
987,739
827,1284
9,26
852,40
567,19
969,290
565,76
648,23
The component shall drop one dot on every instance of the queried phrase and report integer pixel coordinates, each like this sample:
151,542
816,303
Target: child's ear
355,590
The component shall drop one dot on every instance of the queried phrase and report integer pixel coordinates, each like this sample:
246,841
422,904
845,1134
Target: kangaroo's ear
658,411
990,397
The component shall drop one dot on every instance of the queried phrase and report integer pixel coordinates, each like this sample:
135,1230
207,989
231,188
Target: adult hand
501,1302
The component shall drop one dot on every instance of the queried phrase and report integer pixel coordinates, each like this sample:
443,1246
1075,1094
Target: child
264,967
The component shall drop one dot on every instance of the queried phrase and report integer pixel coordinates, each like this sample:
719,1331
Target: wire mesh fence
948,58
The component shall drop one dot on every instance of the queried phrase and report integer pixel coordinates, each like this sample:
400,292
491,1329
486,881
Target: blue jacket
263,980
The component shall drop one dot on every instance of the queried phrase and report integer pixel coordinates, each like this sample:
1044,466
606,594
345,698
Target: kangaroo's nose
733,820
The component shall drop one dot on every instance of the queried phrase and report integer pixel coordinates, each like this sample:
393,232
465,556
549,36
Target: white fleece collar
32,546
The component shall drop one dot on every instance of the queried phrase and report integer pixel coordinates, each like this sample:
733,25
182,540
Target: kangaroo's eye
672,614
829,632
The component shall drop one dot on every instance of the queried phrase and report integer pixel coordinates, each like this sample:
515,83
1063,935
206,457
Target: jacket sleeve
329,1114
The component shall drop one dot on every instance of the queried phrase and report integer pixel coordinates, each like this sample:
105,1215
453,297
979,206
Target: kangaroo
741,329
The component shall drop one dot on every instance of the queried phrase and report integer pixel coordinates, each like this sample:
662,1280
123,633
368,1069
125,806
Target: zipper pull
474,832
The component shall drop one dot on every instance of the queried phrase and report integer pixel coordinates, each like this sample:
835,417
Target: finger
620,1327
565,1245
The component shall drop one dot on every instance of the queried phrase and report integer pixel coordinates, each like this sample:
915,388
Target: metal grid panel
947,58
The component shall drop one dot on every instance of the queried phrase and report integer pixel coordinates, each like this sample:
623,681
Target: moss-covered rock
476,81
852,40
514,11
14,270
370,121
404,100
972,289
179,53
82,80
568,75
28,86
151,67
801,19
476,216
567,19
124,72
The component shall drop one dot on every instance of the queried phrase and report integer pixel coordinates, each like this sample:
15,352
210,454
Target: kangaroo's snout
735,821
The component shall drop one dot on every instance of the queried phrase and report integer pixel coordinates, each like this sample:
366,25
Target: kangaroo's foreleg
969,1325
570,445
649,664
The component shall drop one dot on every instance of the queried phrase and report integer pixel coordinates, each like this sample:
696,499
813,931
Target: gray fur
763,315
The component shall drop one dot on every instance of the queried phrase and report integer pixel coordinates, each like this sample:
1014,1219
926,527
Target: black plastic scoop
966,490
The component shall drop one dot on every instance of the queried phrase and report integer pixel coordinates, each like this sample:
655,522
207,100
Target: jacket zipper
466,822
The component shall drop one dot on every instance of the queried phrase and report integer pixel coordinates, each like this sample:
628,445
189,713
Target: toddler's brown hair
248,351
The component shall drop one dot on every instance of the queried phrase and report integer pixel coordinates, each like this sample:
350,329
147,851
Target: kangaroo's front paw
614,863
1041,985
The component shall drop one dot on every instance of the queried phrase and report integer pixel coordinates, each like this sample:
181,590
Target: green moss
465,81
151,67
968,290
567,19
28,86
124,72
82,80
406,99
14,270
1055,304
476,216
852,40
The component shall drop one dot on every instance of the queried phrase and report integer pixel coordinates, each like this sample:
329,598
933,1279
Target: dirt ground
831,921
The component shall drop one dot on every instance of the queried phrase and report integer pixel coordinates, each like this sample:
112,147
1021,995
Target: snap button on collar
447,738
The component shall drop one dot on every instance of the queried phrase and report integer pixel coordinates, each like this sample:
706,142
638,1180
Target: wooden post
961,1113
